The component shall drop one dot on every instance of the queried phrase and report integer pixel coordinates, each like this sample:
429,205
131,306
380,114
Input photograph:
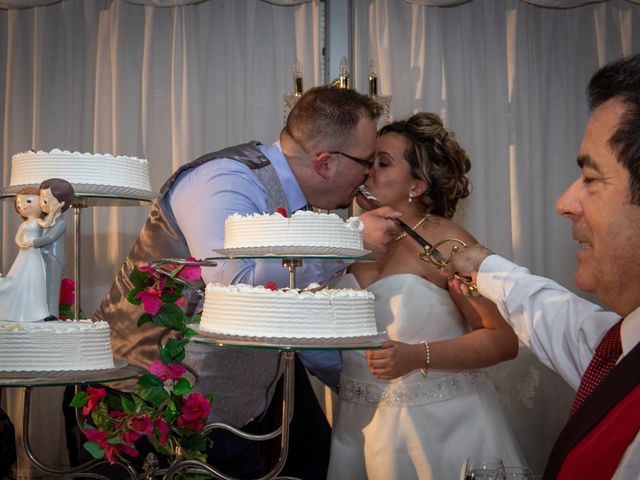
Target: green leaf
131,296
188,333
173,351
193,442
170,316
144,318
114,402
100,417
194,319
163,449
116,441
94,449
80,399
138,279
182,387
128,406
171,412
151,389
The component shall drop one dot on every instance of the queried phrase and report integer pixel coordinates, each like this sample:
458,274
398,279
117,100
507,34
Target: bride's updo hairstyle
434,156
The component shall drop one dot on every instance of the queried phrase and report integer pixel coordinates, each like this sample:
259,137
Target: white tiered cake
303,232
55,346
245,310
87,172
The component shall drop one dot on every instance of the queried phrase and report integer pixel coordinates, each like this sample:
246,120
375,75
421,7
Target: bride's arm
491,341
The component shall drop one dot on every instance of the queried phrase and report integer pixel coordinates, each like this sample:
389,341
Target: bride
419,406
23,291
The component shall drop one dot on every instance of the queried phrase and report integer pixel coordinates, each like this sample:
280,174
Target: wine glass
518,473
484,468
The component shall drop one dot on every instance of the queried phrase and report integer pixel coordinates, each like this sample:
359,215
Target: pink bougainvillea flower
194,425
67,287
282,211
271,285
96,436
112,451
173,371
163,430
195,406
147,268
179,302
142,424
151,300
190,272
95,394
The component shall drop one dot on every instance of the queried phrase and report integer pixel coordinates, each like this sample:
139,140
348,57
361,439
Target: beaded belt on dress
401,395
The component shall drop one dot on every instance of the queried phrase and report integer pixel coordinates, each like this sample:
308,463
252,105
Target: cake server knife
431,253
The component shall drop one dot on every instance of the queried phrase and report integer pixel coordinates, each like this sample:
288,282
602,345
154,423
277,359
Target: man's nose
569,204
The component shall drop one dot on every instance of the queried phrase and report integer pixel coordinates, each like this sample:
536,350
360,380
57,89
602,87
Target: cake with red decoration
245,310
302,232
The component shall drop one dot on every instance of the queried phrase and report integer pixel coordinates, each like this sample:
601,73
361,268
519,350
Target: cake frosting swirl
55,346
245,310
302,229
29,168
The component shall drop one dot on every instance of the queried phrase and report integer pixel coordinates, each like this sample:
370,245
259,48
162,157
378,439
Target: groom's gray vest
245,375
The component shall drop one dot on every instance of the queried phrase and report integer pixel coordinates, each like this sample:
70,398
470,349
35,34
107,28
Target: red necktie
603,361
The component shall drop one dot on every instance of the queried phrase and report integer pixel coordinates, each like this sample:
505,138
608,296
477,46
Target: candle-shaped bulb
373,79
297,79
345,74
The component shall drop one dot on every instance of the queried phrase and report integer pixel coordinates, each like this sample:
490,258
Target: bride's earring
410,197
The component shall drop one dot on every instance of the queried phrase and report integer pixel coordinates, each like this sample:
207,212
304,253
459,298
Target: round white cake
303,229
80,169
245,310
55,346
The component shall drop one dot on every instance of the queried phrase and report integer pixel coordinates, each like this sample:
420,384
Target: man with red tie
596,351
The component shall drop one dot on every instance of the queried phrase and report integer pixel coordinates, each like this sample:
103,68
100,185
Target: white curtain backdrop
509,78
172,83
167,84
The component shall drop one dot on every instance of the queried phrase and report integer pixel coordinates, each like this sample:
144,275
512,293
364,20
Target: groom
56,196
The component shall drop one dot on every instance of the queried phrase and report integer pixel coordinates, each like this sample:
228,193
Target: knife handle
473,288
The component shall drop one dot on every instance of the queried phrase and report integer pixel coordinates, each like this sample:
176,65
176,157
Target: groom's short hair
61,189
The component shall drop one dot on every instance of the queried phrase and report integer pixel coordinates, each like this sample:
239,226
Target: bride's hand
394,359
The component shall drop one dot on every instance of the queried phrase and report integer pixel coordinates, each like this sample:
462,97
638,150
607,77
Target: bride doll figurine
23,295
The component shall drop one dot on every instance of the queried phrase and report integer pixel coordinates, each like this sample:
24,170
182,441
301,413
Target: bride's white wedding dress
23,294
415,427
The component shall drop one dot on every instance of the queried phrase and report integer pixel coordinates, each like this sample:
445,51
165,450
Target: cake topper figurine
23,296
56,196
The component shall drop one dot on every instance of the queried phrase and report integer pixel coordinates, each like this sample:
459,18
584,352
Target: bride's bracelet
427,357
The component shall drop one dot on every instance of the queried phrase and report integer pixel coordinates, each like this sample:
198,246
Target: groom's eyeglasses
368,163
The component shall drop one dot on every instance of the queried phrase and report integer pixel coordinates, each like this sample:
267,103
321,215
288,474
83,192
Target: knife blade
439,257
431,254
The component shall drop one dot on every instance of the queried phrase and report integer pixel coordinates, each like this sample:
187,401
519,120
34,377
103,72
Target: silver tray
121,371
91,190
294,251
294,343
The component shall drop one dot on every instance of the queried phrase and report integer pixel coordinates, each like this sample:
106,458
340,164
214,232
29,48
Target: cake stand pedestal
30,380
287,347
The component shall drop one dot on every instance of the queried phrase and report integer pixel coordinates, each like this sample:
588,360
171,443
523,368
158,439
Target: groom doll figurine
56,196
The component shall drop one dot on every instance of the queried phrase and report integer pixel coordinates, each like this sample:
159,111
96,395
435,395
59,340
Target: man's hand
380,230
465,262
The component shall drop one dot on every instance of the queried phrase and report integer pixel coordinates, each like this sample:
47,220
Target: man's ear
324,165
